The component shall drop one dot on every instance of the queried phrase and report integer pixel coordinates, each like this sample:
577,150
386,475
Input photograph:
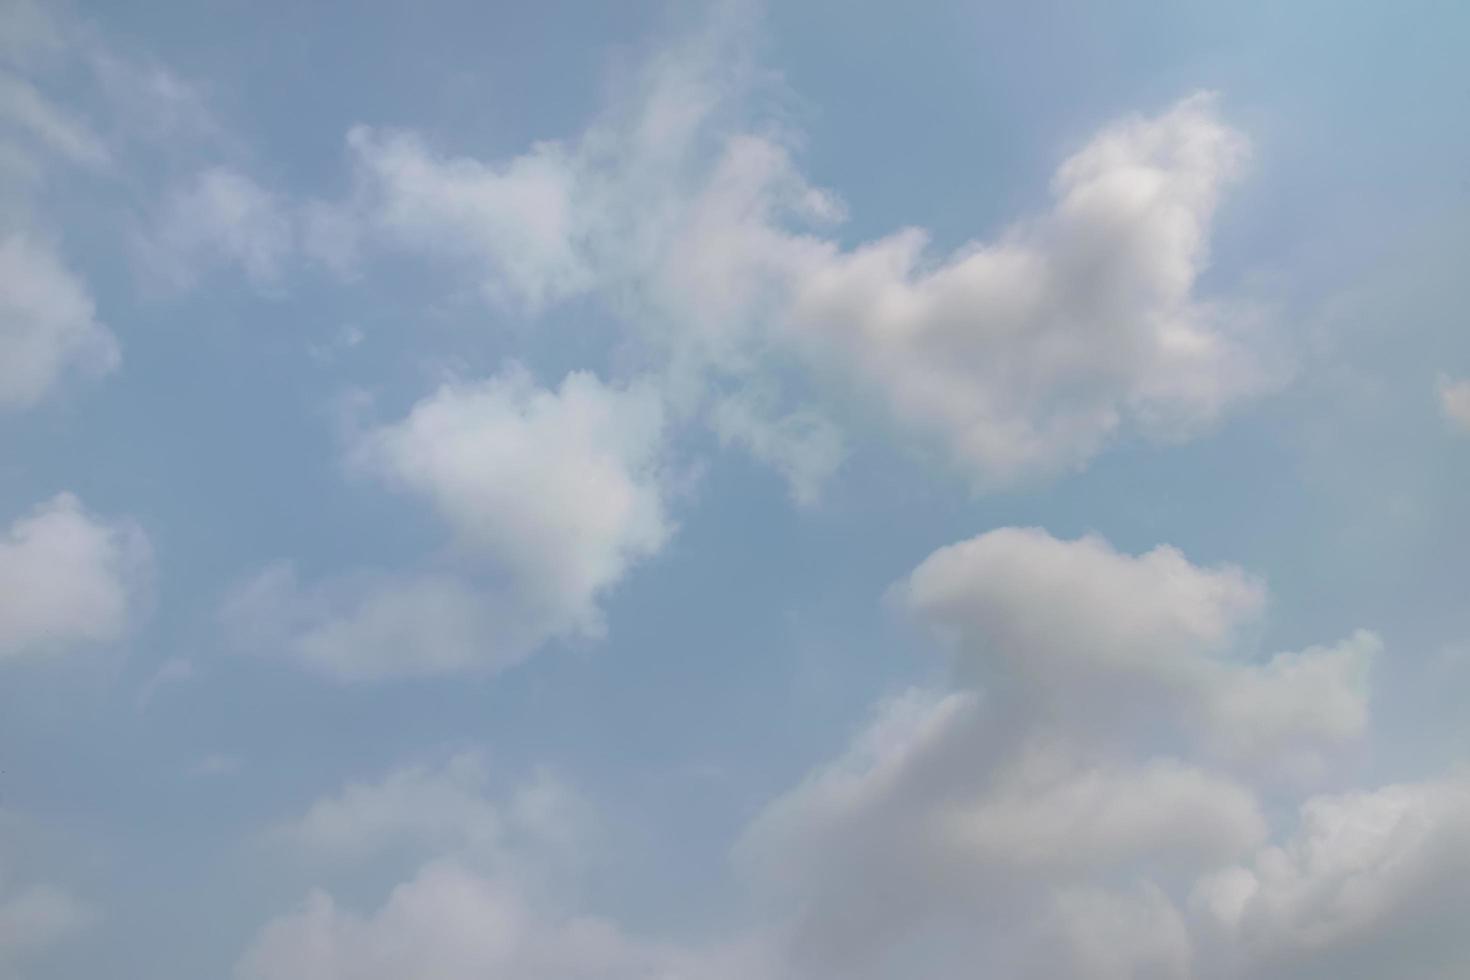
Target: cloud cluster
479,905
681,208
1025,354
551,496
49,327
1077,804
1091,797
69,579
1028,353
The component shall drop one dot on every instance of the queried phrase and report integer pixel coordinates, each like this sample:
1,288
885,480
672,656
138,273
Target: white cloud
1104,747
551,495
682,208
941,818
70,579
1454,402
490,900
368,626
1148,632
221,217
516,222
1044,812
1371,883
1029,353
561,489
445,808
1125,612
48,324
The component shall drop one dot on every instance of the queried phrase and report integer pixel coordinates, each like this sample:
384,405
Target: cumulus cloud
1030,352
551,496
513,224
1454,402
1105,745
70,579
1148,635
561,488
682,208
1025,354
1370,883
48,324
483,904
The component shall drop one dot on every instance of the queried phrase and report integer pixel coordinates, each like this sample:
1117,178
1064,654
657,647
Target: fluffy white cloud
1370,884
1026,354
940,815
48,324
1145,638
1103,749
552,495
1030,352
686,213
561,489
514,224
992,595
69,579
1454,402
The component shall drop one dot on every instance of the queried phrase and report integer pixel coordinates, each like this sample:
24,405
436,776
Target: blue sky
721,491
